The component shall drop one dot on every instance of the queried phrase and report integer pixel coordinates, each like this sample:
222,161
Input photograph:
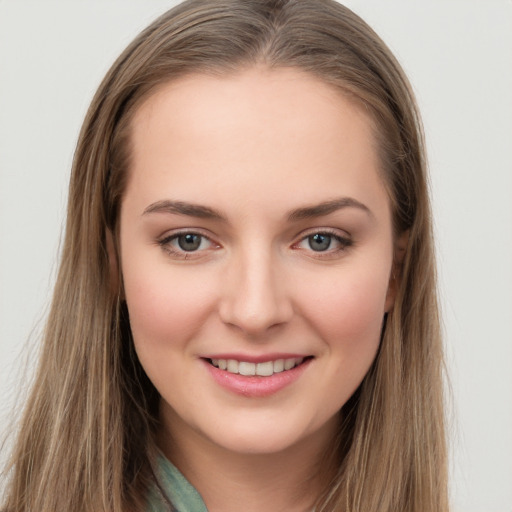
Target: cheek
348,311
166,310
348,317
165,307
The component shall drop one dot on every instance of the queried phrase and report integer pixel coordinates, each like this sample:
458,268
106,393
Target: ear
400,250
113,262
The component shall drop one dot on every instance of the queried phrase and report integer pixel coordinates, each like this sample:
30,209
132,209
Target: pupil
319,242
189,242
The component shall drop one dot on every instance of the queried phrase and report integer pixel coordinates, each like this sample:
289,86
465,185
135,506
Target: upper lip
260,358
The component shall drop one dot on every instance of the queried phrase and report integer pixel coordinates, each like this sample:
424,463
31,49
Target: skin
254,147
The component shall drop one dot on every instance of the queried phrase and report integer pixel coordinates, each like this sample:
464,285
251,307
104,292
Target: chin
272,436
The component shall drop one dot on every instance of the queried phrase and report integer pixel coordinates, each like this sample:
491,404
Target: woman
245,314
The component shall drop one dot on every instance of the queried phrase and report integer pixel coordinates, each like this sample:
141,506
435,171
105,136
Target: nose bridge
254,295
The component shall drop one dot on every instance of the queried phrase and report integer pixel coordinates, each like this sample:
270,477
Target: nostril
254,297
255,318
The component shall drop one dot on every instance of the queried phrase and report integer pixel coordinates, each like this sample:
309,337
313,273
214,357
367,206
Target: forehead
256,126
260,91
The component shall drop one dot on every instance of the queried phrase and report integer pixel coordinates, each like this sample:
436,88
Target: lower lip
255,386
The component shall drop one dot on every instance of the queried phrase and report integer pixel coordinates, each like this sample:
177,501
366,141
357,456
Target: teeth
265,369
232,366
246,368
289,364
278,366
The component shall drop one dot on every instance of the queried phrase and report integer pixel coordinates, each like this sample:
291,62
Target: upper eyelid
206,234
169,234
336,232
341,233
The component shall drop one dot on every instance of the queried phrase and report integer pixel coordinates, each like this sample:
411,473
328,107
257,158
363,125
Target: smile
257,378
263,369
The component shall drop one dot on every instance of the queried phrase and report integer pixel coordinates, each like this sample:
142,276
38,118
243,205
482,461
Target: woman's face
256,252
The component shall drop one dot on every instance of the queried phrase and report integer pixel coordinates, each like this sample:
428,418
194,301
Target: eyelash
166,244
344,243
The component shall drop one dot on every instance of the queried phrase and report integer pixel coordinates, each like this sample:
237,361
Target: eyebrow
205,212
326,208
183,208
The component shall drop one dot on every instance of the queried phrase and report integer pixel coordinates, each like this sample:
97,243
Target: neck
291,479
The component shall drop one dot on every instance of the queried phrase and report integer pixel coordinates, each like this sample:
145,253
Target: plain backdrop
458,55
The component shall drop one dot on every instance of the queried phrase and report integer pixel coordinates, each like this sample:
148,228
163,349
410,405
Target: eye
324,242
185,244
189,241
319,241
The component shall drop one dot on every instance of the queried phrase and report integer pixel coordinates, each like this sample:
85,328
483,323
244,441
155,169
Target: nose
254,294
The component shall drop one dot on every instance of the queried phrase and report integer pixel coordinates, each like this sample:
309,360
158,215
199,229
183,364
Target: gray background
458,55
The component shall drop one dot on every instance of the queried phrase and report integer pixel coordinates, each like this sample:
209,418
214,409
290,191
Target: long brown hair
86,440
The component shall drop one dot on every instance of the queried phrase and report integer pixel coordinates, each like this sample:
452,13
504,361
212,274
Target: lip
261,358
255,386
